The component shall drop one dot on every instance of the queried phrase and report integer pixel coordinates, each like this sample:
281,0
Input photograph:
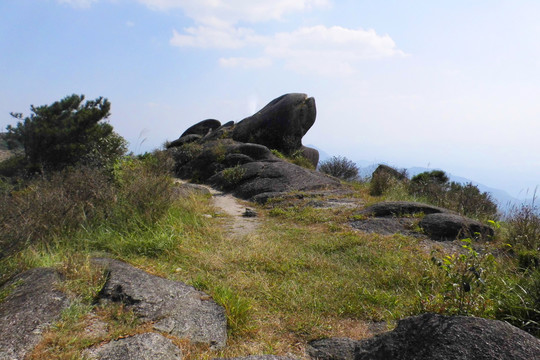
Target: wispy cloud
225,24
324,50
78,3
246,63
233,11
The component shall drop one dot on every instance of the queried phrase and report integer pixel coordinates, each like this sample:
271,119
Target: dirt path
237,224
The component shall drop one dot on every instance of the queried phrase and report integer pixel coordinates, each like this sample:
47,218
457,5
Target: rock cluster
437,223
238,157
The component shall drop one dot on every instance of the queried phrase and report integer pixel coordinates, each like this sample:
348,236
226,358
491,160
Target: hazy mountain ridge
503,199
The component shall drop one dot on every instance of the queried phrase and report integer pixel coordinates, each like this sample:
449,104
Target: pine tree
66,133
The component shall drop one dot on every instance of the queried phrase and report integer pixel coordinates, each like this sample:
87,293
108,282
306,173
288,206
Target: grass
303,275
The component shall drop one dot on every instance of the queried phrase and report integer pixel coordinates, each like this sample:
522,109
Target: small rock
249,213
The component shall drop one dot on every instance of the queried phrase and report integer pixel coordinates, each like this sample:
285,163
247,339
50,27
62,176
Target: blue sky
452,85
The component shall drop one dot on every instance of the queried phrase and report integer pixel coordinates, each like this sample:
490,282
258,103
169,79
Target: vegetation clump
340,167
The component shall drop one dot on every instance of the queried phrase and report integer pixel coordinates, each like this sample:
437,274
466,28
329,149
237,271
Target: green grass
303,275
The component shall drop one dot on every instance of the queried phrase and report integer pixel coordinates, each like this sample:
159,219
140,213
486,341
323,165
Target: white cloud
225,37
234,11
78,3
246,63
323,50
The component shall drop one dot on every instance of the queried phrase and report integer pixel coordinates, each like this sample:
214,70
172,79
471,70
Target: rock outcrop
148,346
174,307
445,226
401,208
280,125
417,219
436,337
237,157
33,304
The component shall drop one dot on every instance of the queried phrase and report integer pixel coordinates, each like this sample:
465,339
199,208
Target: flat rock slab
452,226
176,308
259,357
148,346
278,176
333,348
386,226
401,208
436,337
32,305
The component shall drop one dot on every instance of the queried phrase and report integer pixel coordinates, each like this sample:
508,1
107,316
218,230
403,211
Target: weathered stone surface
148,346
32,305
451,226
184,140
435,337
173,306
401,208
203,127
279,125
386,226
257,178
311,154
332,349
260,357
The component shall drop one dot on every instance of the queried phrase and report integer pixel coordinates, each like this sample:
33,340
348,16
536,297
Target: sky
453,85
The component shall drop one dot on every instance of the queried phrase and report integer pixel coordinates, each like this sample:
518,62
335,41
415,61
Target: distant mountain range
504,201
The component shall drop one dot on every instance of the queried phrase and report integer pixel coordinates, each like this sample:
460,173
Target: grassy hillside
304,274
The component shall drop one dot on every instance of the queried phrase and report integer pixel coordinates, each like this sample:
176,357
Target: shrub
523,227
466,199
384,178
466,277
49,206
67,133
233,175
137,193
339,167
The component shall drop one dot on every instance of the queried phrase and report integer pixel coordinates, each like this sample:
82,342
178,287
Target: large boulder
148,346
174,307
33,304
202,128
436,337
279,125
255,179
446,226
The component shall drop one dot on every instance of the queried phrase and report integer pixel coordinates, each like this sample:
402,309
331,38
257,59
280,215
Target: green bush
435,188
464,285
340,167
